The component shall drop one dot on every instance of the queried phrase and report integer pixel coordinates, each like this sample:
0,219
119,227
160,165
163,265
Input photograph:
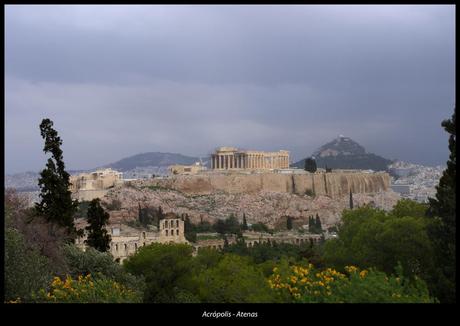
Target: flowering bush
305,284
87,290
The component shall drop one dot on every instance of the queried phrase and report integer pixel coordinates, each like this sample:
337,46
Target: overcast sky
121,80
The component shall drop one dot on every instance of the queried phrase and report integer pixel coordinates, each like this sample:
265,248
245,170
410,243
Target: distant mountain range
136,166
345,153
341,153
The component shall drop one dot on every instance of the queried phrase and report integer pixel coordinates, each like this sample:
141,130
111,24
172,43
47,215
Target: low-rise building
186,169
87,186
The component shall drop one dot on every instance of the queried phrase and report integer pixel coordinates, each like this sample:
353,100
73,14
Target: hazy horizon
123,80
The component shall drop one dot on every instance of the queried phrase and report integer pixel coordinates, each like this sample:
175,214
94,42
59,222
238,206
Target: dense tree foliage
304,283
234,279
97,218
260,227
26,270
150,216
166,269
228,226
56,203
370,237
443,231
99,264
314,225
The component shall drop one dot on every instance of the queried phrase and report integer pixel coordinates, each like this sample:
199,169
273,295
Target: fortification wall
327,184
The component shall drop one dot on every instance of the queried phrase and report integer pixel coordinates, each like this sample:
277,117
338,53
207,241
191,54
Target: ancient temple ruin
229,158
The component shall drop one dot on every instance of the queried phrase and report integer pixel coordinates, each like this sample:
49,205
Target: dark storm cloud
118,80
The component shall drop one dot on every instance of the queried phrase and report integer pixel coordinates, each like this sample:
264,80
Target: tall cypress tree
97,218
56,203
311,224
443,229
318,226
245,223
289,223
351,200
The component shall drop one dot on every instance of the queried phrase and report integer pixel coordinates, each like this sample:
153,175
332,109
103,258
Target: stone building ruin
126,241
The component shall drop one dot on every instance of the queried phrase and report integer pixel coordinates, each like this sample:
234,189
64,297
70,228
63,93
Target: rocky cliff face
262,198
334,185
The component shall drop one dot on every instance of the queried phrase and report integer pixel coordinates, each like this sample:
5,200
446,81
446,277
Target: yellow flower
18,300
363,273
56,281
351,269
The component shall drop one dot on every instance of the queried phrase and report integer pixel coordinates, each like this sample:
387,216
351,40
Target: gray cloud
118,80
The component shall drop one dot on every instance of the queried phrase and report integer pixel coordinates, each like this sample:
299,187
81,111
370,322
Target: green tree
56,203
311,224
407,207
234,279
443,231
97,218
260,227
351,200
245,223
166,268
189,230
25,270
229,226
289,223
369,237
310,165
99,264
318,226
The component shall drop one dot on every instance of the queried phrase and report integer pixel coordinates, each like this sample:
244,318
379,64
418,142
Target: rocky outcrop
334,185
271,208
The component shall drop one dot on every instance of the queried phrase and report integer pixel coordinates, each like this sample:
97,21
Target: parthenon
229,158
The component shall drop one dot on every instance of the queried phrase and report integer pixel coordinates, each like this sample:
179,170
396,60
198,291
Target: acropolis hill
334,185
259,184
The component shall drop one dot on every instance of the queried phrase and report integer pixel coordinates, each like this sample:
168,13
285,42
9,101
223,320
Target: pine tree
443,229
97,218
56,203
351,200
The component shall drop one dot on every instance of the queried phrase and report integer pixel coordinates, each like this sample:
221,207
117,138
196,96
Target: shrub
98,264
305,284
87,290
